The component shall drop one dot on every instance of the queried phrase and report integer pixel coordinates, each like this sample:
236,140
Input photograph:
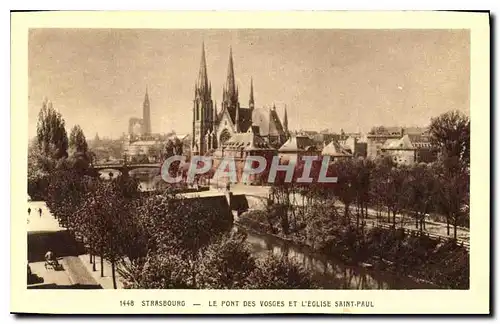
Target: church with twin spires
215,129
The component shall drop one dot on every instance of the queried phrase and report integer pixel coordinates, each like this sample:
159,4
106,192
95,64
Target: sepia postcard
250,163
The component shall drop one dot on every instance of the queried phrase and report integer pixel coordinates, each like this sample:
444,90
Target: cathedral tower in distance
146,115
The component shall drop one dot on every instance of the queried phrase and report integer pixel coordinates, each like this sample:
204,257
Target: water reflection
330,273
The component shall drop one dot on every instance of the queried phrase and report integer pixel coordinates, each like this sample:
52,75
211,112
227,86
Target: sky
327,79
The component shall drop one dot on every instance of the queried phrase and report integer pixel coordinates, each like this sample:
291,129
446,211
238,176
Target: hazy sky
350,79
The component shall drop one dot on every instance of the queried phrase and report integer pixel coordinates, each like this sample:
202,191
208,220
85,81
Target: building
296,147
336,151
143,151
356,145
401,150
211,128
379,139
239,147
138,127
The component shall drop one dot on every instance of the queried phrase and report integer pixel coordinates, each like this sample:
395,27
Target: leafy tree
452,196
279,272
450,132
106,218
421,190
51,133
345,188
77,141
159,271
39,168
183,226
226,264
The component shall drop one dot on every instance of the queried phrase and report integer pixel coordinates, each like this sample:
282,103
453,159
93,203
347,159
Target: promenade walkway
45,234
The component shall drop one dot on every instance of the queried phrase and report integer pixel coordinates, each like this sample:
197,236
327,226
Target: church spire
231,95
202,83
146,114
285,121
251,102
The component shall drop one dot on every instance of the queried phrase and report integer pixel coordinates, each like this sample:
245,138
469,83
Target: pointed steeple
285,121
146,96
202,82
251,102
215,111
230,81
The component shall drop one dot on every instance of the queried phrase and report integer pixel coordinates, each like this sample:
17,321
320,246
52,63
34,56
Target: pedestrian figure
29,211
40,212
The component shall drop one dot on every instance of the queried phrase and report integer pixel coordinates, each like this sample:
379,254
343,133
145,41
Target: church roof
268,121
335,149
298,143
245,117
248,141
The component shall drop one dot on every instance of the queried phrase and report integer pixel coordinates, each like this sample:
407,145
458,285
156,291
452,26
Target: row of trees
152,240
441,187
333,218
163,241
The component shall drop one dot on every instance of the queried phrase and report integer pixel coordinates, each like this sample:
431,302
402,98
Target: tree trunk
346,211
102,266
93,263
448,225
357,217
416,220
394,218
455,221
113,273
90,257
388,215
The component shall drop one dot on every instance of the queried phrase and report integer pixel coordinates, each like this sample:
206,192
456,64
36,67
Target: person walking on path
29,211
40,212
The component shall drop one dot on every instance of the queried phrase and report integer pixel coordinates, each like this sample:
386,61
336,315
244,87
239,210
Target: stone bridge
122,167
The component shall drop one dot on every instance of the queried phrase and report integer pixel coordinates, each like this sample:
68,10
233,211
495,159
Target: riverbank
420,259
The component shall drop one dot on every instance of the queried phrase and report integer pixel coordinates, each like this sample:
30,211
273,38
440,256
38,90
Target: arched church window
224,136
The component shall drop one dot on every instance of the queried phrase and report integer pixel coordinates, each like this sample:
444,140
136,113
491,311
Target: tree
452,196
77,141
450,133
39,169
159,271
279,272
169,149
107,220
226,264
346,184
421,190
183,226
51,133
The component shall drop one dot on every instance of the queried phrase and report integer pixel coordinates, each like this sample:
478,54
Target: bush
279,272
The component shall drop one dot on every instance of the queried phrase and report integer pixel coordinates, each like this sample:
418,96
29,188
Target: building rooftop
298,143
248,141
335,149
403,143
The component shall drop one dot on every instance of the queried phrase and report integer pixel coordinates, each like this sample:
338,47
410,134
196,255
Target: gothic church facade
212,129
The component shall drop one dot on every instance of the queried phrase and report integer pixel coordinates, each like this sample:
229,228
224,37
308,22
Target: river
327,271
